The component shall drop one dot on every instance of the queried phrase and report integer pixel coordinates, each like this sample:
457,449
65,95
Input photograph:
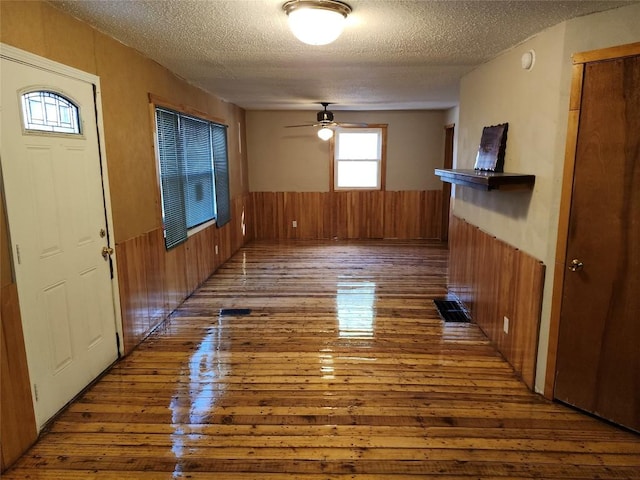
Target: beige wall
295,160
126,78
535,103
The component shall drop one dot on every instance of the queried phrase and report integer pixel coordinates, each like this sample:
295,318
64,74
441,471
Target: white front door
56,214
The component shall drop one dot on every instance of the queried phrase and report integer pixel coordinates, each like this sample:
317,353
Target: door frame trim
26,58
449,145
575,100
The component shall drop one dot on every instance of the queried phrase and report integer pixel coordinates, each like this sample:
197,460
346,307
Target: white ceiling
394,54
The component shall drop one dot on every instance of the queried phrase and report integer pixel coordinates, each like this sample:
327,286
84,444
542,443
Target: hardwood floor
343,370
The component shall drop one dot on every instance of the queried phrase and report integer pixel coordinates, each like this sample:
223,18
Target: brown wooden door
598,367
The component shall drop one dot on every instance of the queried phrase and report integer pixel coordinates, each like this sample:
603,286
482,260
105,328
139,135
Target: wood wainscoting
18,426
495,280
153,281
347,215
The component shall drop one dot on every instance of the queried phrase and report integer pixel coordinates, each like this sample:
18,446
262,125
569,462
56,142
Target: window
46,111
192,153
358,158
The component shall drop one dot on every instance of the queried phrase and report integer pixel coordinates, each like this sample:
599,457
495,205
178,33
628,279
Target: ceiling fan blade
343,124
325,120
302,125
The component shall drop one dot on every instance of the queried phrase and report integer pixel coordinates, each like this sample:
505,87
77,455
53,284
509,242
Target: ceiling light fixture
325,133
316,22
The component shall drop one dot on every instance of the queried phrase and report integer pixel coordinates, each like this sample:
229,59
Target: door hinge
18,254
35,391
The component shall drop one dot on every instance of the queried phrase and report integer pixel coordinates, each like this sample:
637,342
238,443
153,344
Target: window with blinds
192,153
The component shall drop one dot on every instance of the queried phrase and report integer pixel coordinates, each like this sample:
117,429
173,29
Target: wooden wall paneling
458,232
476,250
133,291
507,272
342,212
484,280
403,214
196,256
358,214
266,215
258,208
175,275
249,214
431,214
352,214
191,260
373,215
154,263
318,214
224,238
18,427
291,204
207,257
391,218
494,280
529,285
314,216
240,214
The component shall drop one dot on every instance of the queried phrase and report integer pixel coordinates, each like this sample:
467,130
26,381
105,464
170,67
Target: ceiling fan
326,123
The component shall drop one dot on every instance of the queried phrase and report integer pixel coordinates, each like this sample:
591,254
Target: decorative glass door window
46,111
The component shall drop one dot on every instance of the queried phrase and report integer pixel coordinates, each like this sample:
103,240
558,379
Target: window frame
382,172
220,172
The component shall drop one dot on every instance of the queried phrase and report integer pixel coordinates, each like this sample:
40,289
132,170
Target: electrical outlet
216,249
294,224
505,324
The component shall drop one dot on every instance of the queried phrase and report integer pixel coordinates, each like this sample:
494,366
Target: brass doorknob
575,265
106,251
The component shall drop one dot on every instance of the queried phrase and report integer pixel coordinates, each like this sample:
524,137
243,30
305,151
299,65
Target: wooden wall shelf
484,180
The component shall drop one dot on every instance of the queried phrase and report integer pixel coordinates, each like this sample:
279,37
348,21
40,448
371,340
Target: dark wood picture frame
492,148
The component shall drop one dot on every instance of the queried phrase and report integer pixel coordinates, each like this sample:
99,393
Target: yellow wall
296,160
152,281
126,79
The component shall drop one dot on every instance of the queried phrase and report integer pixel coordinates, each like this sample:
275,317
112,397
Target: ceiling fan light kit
325,133
326,123
316,22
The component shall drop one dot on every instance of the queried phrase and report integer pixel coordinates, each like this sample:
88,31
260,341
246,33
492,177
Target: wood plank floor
343,370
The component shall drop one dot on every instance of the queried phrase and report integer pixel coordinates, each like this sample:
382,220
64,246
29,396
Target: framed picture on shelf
492,148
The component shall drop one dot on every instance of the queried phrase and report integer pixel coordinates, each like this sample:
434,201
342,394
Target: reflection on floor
342,370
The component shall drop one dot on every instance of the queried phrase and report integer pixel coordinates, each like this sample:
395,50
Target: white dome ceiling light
325,133
316,22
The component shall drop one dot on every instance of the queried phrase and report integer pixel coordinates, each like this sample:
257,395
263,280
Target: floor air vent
451,311
234,312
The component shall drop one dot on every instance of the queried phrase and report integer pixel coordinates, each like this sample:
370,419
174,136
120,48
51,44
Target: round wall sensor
528,60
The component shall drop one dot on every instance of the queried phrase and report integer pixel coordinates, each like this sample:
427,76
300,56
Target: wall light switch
505,324
294,224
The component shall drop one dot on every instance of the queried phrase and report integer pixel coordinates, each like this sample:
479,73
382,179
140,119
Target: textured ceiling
394,54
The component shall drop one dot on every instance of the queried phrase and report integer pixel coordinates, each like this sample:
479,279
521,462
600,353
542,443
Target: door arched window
46,111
